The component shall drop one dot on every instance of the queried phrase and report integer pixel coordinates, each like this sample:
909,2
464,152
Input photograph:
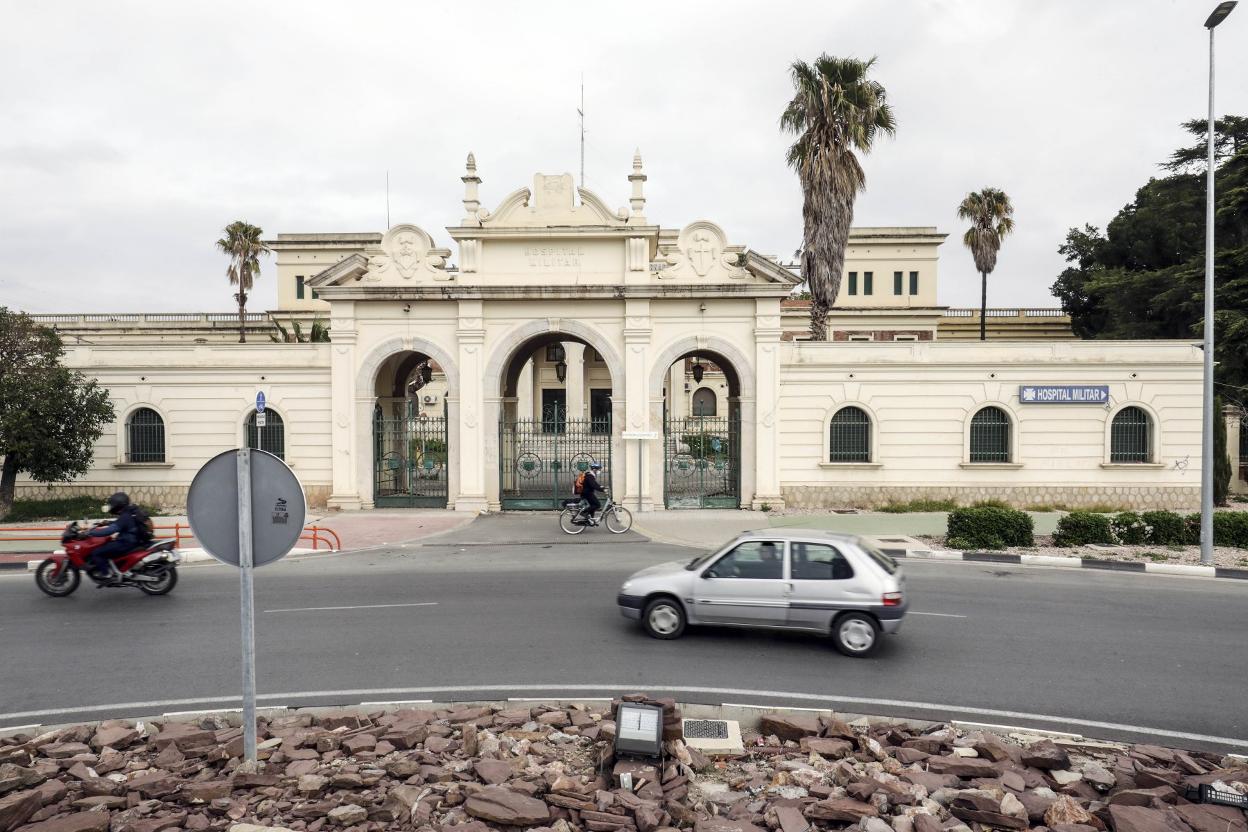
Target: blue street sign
260,402
1063,393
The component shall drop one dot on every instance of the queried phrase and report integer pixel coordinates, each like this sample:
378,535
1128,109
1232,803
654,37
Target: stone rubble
544,768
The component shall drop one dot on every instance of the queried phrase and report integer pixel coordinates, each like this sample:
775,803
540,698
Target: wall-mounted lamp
698,369
561,370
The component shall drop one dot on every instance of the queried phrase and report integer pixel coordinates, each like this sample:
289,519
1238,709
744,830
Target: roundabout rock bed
549,768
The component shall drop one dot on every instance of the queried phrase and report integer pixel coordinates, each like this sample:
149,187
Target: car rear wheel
663,618
856,634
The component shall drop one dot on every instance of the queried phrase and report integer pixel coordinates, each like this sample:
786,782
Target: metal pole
1206,442
248,604
640,443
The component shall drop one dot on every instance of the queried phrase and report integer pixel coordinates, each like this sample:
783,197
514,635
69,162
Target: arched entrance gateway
564,333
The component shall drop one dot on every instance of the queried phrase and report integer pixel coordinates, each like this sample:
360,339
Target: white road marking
937,614
361,607
393,702
554,693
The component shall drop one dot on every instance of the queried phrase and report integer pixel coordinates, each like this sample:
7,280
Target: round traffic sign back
278,507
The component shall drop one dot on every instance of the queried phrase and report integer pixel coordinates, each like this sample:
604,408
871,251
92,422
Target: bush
705,445
990,504
919,505
1230,528
1191,529
989,527
1129,528
1165,528
1080,528
60,508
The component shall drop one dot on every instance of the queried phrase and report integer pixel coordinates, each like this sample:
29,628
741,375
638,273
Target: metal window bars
1130,436
990,436
271,437
849,436
145,436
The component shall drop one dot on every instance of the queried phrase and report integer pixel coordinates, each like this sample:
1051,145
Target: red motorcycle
153,568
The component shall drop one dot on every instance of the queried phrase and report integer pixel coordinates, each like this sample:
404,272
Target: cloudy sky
132,132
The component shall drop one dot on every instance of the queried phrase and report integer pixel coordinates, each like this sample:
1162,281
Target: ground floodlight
638,730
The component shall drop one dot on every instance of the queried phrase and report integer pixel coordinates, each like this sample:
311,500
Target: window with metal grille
849,436
853,283
990,436
145,436
271,437
1131,436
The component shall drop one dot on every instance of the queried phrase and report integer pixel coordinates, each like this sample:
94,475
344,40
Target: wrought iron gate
702,462
409,459
539,459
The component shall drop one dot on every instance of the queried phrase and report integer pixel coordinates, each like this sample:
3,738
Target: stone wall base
1137,498
157,499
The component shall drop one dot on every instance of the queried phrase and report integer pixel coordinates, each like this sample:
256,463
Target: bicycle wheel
619,520
565,522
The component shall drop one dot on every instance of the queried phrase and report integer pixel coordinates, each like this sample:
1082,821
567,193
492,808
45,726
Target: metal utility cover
278,507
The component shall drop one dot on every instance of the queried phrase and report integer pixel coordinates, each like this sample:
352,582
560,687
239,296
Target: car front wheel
856,634
663,618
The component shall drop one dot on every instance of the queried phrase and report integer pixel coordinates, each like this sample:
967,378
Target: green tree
50,416
1221,457
1144,276
836,109
244,247
992,218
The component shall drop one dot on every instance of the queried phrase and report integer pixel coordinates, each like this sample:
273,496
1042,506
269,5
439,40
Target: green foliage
1221,457
990,504
1144,276
242,243
1191,529
764,507
702,445
50,417
295,335
58,508
1079,528
1129,528
1230,528
919,505
989,527
1165,528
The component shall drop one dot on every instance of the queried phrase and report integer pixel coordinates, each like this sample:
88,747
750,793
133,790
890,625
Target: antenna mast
581,112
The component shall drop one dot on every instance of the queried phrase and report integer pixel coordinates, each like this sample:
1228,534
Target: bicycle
614,516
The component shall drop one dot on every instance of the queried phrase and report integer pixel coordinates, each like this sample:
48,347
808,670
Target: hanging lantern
698,370
426,372
561,371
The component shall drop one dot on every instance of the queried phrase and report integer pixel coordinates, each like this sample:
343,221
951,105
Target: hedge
989,527
1079,528
1165,528
1129,528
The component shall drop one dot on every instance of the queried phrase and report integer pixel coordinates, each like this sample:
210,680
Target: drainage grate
706,729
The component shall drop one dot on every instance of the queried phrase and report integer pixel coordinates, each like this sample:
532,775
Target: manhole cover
706,729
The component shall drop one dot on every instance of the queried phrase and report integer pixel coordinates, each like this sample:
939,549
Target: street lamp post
1206,457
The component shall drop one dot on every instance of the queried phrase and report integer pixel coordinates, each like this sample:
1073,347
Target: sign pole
641,480
248,603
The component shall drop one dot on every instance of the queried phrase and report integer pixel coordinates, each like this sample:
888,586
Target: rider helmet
595,466
117,502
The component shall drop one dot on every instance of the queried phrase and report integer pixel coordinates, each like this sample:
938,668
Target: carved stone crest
406,252
700,251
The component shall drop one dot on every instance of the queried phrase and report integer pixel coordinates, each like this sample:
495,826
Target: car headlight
627,585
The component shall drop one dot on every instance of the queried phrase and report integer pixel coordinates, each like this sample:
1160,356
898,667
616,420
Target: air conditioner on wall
430,399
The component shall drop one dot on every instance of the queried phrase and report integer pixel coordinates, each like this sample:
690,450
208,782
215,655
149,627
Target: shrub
60,508
1230,528
1191,529
989,527
1080,528
1165,528
1129,528
990,504
919,505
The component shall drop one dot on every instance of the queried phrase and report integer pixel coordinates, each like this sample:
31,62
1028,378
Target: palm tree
835,110
243,245
992,217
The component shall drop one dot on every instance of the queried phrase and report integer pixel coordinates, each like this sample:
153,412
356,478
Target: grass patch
1104,508
1156,557
1044,507
919,505
60,508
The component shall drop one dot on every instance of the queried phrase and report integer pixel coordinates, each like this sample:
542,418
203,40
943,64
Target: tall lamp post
1206,457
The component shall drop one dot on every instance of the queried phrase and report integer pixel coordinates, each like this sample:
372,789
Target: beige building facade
481,367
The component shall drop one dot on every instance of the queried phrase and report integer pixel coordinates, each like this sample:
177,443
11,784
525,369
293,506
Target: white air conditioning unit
430,399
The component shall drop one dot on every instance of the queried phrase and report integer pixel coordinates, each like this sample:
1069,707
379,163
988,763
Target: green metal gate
409,458
702,462
539,459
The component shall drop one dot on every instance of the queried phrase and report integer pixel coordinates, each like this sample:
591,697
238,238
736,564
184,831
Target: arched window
990,436
704,402
145,436
1131,436
849,436
271,437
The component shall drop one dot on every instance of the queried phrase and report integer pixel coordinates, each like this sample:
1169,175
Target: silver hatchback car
794,579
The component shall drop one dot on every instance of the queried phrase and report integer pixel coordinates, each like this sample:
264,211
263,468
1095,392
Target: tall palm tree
835,110
992,217
243,245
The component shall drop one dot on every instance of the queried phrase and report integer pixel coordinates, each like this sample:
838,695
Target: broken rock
500,805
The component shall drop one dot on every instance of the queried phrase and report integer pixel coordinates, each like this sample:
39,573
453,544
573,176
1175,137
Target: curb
1080,563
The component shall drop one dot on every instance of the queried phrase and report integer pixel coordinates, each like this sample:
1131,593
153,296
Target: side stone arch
741,365
366,375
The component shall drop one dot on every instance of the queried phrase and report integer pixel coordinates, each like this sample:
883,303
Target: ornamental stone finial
638,200
472,201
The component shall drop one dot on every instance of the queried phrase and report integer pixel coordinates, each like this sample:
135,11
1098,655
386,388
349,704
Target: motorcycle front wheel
566,521
57,586
164,584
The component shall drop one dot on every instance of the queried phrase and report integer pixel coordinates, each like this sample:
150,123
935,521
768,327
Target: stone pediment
700,253
552,203
406,255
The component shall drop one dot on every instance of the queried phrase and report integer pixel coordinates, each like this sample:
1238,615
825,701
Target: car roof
801,534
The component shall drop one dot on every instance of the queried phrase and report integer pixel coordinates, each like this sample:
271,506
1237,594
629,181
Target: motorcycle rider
129,537
589,489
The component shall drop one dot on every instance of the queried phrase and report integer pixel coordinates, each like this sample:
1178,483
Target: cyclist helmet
595,466
117,502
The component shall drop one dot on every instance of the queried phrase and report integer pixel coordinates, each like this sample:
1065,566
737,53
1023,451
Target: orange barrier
180,533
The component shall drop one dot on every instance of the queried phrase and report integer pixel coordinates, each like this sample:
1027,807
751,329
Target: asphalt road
504,608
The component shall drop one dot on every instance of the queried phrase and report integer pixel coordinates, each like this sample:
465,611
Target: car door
821,582
744,586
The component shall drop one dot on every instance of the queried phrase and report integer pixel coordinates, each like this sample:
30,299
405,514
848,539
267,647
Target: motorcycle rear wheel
566,521
60,586
168,580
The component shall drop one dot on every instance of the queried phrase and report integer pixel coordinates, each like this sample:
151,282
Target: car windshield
886,563
701,559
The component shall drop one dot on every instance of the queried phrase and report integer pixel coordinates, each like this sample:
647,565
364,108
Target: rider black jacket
126,527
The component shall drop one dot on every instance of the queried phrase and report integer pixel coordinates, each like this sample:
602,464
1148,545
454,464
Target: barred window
1131,436
990,436
849,436
145,436
271,437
